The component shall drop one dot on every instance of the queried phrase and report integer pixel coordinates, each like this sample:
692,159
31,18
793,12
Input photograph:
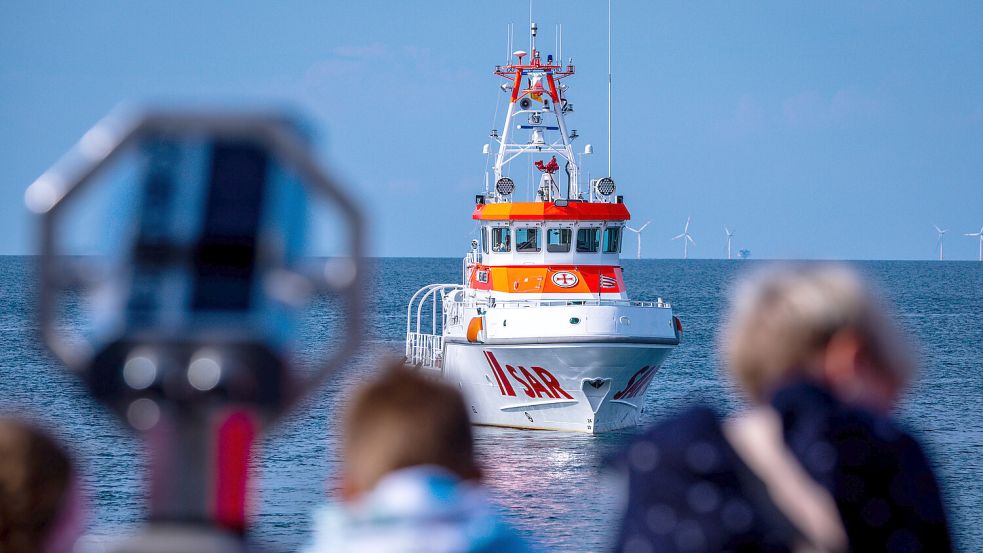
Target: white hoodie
416,510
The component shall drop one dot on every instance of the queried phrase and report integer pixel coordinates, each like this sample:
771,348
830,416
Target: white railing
424,343
470,260
511,304
425,327
425,350
492,303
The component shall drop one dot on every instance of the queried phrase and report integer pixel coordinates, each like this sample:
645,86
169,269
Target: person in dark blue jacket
815,463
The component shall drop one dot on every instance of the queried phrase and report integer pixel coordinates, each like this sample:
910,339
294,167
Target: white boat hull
582,387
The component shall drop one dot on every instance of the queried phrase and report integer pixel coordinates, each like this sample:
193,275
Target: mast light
605,186
504,186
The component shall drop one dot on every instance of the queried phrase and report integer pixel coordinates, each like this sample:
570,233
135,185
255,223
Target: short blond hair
783,316
404,419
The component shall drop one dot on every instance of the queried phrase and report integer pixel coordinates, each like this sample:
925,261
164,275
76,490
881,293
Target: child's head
404,419
819,321
39,507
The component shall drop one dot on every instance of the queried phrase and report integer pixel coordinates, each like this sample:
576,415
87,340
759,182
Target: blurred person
410,481
816,463
40,502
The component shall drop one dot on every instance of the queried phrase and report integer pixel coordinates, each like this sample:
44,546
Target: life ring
474,327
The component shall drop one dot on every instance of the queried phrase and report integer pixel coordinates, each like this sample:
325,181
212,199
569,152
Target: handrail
589,302
471,259
426,290
444,289
426,346
424,349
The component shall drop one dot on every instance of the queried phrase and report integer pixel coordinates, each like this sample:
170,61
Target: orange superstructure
554,279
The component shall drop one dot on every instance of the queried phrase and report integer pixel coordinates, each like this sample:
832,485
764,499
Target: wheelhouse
542,233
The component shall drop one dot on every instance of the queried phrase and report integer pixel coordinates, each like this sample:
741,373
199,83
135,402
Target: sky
825,130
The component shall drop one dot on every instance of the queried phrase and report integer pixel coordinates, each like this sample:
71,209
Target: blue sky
813,130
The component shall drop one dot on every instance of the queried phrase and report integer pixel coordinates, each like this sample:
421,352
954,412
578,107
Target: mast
609,88
538,98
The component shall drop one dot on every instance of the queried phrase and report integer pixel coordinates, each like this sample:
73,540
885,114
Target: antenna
609,86
508,43
532,33
559,49
532,40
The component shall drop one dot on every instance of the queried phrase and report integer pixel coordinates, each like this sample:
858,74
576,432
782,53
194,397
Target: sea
549,485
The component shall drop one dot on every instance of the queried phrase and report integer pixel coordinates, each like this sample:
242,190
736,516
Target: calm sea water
547,483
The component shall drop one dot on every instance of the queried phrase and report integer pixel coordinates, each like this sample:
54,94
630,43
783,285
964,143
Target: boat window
612,240
558,240
501,239
484,239
587,239
527,239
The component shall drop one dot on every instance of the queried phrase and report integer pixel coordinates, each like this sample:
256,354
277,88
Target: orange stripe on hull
548,279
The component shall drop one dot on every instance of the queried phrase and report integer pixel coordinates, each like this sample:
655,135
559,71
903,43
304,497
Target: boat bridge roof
549,211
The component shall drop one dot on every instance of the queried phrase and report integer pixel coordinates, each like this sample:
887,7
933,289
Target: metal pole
609,88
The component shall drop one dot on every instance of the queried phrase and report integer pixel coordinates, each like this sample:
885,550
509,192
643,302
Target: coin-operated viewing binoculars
196,309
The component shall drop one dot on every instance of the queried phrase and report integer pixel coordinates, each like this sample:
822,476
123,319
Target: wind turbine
729,236
941,236
686,238
980,234
638,233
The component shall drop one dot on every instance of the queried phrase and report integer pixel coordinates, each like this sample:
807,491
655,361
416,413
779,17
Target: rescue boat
541,333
